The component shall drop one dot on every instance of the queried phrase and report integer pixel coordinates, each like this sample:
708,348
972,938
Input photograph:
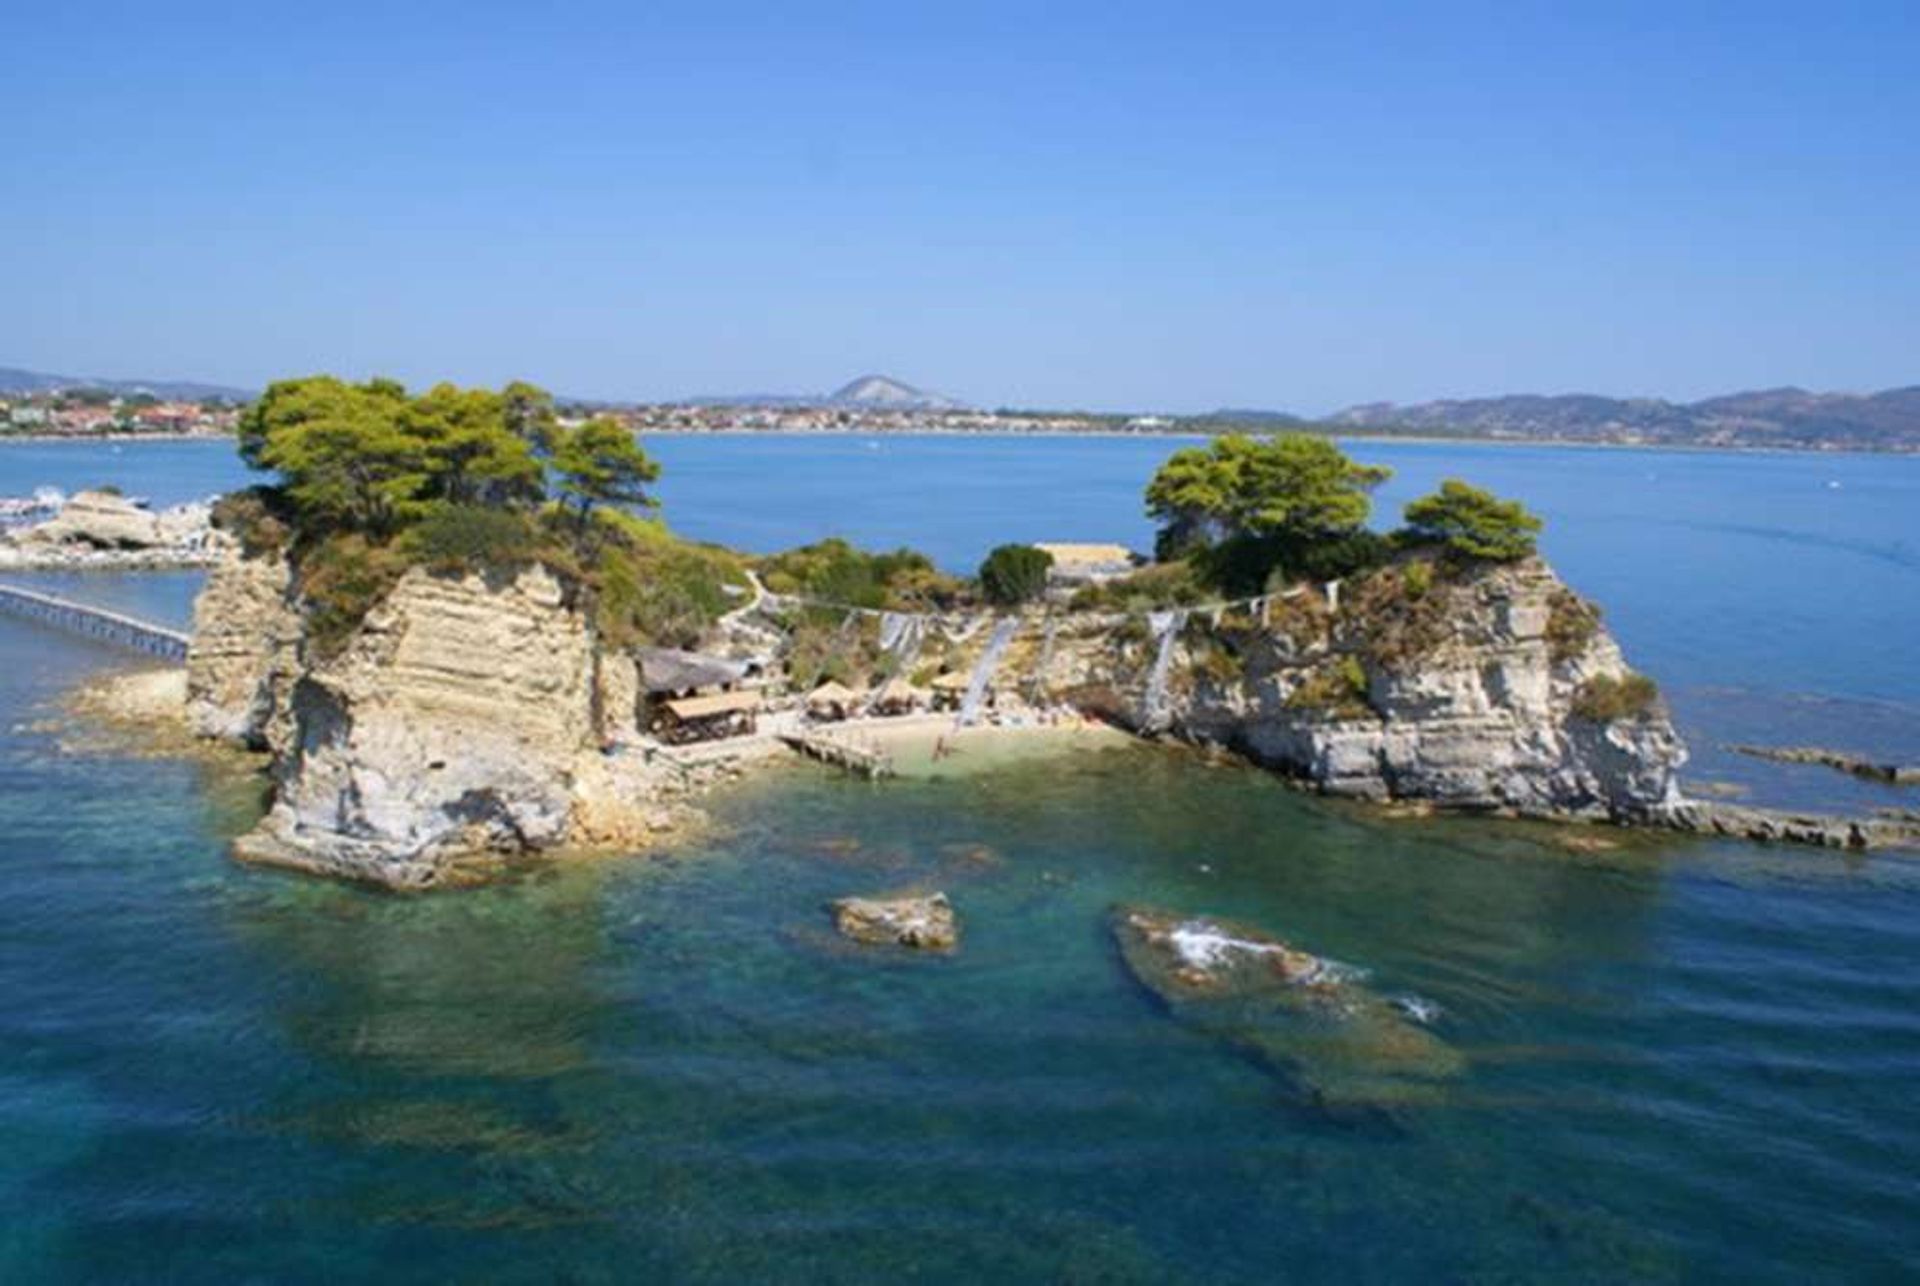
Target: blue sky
1153,206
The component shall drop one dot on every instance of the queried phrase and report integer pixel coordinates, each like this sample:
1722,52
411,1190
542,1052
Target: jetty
862,761
94,622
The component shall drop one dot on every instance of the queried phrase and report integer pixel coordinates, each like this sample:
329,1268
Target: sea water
1684,1060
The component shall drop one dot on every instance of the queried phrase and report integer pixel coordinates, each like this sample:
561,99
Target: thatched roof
897,691
832,693
668,669
1076,555
690,708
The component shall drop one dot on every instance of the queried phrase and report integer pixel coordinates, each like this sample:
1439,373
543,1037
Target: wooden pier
94,622
863,761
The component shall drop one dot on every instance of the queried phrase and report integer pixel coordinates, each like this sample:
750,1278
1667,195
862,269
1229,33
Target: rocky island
454,632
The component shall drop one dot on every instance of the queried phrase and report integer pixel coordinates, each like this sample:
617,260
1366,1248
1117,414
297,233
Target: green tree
1014,574
530,415
1295,487
472,455
600,463
1473,523
340,448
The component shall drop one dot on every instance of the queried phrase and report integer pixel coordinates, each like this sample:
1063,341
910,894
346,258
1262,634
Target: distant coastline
1171,433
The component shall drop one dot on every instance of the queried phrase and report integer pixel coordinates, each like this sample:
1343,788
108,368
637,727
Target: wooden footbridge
94,622
861,760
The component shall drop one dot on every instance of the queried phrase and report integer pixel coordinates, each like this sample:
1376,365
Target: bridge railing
94,622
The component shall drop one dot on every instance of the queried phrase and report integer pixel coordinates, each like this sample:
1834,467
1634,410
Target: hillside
1782,417
16,381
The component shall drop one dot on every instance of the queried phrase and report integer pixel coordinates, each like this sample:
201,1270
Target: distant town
96,413
35,405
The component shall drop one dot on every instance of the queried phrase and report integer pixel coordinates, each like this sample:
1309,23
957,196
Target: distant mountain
869,392
881,392
17,381
1782,417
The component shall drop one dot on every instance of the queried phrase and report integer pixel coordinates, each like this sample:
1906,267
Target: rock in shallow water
926,922
1298,1014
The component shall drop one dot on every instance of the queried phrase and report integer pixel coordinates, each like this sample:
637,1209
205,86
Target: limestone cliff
1472,689
245,653
462,717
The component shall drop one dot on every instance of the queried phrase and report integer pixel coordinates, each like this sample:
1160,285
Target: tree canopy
600,463
1014,574
1242,506
1294,485
1473,523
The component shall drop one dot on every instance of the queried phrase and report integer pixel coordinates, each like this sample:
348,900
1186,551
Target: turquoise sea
1683,1060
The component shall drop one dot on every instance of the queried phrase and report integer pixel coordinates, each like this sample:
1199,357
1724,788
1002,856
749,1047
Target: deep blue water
1684,1061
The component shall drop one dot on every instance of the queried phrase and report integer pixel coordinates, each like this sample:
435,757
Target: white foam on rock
1205,946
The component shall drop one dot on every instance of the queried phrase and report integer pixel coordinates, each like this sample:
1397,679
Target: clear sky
1175,206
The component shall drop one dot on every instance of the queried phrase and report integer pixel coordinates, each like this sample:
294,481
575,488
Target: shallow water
1682,1060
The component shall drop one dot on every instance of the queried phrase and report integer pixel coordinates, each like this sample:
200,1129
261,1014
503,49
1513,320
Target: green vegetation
835,571
1014,574
1242,508
374,481
1472,523
1571,624
1604,699
1236,487
599,463
1251,515
1338,689
1173,584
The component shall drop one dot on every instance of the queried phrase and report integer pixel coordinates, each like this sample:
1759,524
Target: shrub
458,538
1417,580
1155,586
1339,688
260,518
341,578
839,572
650,586
1340,557
1571,624
1605,699
1473,523
1014,574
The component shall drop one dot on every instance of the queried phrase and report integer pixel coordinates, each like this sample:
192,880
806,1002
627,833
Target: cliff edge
1491,686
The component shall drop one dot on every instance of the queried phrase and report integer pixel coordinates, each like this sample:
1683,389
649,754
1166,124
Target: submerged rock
1775,825
1307,1018
1840,760
925,922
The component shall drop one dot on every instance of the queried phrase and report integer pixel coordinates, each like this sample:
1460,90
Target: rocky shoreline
1891,774
467,717
104,531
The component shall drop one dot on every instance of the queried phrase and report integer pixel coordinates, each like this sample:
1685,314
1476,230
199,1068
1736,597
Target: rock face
447,726
245,653
914,921
100,519
1772,825
1309,1020
461,718
1838,760
1466,691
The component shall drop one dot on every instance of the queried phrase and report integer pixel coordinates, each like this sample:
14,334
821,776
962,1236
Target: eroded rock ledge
468,717
464,719
1472,692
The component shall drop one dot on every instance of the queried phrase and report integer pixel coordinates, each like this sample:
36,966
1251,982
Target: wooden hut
832,700
897,696
949,690
721,714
